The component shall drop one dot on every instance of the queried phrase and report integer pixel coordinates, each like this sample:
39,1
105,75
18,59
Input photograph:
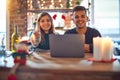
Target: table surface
45,61
42,65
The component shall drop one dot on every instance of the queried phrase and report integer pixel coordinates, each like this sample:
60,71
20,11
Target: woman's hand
37,32
36,37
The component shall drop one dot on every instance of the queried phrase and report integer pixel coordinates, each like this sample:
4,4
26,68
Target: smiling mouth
80,22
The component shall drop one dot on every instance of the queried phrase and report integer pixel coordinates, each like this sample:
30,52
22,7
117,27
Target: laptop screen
67,45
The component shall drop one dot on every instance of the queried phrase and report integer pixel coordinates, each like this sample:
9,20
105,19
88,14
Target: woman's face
45,23
80,18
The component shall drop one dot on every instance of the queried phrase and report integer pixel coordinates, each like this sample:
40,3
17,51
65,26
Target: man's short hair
79,8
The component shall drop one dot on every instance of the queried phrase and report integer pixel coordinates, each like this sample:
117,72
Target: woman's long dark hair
51,30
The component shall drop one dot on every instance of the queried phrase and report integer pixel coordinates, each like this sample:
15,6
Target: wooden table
44,67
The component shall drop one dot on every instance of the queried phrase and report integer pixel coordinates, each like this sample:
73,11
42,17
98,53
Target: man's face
80,18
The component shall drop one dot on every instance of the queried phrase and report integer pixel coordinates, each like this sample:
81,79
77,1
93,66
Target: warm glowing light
59,0
42,4
31,2
70,3
61,5
28,1
43,1
52,1
39,2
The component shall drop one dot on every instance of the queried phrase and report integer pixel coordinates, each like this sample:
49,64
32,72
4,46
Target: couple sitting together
40,36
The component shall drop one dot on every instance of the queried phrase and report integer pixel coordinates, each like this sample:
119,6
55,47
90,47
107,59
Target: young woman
40,37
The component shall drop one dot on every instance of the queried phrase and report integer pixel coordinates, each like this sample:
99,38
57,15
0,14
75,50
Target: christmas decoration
78,2
68,3
12,77
54,16
63,17
19,58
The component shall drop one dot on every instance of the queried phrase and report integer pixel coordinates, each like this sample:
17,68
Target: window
106,17
3,22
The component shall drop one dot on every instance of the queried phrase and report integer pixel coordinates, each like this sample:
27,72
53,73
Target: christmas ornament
54,16
68,3
63,17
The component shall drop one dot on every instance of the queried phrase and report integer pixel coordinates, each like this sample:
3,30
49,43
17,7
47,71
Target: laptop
67,45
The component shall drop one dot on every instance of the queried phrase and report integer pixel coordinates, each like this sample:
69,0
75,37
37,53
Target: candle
107,49
103,49
97,48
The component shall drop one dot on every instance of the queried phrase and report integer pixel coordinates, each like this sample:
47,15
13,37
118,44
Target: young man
80,19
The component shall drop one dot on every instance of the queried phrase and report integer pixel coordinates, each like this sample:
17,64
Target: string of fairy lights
52,4
36,5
